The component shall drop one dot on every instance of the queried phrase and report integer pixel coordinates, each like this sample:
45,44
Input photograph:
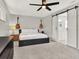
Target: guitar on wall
18,25
41,27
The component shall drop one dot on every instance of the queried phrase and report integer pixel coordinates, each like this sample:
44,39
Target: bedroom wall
47,22
4,24
32,22
26,22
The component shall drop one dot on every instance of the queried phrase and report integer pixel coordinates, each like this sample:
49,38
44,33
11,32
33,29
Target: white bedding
32,36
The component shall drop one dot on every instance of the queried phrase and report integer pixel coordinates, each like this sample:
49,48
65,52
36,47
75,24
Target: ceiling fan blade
48,8
36,4
50,4
39,8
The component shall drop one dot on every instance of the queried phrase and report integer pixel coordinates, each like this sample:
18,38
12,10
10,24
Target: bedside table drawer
15,37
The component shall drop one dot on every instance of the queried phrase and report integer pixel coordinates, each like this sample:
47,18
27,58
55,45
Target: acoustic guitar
17,25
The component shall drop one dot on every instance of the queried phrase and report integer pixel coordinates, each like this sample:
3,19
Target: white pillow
29,31
11,32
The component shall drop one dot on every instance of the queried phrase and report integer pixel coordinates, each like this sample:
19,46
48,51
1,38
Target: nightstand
14,37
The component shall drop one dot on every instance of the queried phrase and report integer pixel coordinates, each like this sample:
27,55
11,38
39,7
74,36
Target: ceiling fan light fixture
43,7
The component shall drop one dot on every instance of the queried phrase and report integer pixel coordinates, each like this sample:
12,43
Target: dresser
6,48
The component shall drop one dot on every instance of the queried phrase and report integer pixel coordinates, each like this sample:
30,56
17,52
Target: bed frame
33,41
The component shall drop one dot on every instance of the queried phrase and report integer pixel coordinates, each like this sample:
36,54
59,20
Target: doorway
62,28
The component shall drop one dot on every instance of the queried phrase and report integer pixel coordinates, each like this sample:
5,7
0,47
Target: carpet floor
46,51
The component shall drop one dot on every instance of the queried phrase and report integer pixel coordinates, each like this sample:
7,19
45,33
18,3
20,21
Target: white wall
54,28
4,25
26,22
4,29
47,22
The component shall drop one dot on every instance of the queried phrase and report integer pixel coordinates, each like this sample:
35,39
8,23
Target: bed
32,37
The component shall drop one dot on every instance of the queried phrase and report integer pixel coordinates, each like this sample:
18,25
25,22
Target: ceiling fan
45,5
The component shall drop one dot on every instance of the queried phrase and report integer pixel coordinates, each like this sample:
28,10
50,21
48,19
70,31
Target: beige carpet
46,51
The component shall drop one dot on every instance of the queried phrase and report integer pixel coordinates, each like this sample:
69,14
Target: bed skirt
33,42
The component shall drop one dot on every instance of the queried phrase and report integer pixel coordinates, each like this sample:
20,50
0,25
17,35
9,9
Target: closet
62,28
72,27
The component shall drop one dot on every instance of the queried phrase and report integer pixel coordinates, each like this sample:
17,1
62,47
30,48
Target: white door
78,26
62,28
72,28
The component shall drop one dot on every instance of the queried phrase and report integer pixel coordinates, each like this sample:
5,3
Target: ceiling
22,7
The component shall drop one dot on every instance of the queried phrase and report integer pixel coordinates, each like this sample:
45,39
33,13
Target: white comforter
32,36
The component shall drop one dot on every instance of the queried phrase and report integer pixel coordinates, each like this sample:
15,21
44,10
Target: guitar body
17,26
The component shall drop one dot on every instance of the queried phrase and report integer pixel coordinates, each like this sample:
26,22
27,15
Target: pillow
11,32
29,31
